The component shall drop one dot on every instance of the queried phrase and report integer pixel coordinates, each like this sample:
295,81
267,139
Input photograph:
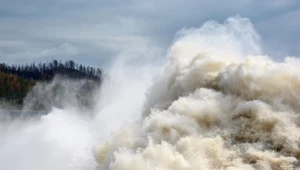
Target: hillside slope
17,81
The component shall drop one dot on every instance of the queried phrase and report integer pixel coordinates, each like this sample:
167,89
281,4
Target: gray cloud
95,32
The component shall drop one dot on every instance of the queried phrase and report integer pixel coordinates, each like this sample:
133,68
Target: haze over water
218,102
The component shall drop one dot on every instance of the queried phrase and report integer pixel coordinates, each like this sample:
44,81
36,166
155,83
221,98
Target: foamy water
218,103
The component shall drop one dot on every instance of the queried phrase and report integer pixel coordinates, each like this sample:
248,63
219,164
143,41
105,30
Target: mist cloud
218,104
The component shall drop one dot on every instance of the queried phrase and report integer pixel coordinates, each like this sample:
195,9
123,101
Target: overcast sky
94,32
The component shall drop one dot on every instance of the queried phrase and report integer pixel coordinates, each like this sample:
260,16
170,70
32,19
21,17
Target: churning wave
218,104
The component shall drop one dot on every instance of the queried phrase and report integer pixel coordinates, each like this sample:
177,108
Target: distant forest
17,80
46,71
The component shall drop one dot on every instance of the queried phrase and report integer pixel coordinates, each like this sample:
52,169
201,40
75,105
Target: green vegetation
17,80
14,88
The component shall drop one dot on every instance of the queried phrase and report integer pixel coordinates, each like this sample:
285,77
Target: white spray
65,138
218,104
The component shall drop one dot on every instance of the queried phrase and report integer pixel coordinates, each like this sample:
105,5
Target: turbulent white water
218,103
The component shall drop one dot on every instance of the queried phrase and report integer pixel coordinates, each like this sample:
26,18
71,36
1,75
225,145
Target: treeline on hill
17,80
46,71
